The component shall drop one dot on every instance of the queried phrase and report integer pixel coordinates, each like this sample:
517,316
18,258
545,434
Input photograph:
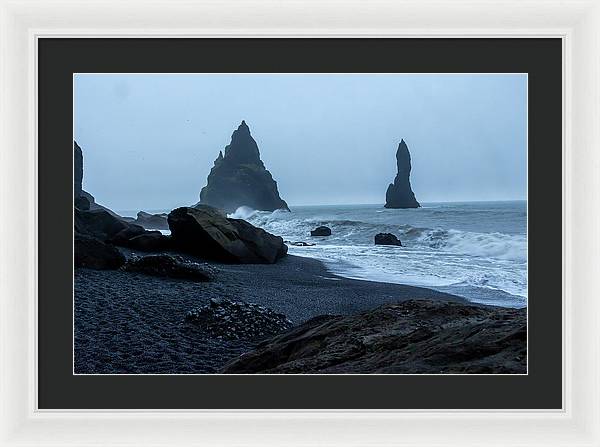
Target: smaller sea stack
400,194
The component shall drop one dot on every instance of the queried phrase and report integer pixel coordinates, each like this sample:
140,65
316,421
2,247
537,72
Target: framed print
319,238
269,274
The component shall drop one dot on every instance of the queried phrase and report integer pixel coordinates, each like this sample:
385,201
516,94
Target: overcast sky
149,141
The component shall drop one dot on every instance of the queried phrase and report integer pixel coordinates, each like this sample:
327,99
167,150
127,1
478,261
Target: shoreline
133,323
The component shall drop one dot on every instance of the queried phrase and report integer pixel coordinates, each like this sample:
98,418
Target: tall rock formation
239,178
399,194
77,170
81,198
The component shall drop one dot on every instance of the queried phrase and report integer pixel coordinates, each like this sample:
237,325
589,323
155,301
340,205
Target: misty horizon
131,211
149,141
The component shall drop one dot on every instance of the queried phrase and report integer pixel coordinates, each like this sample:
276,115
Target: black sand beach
133,323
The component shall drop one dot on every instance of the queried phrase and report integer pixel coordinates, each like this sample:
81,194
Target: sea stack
239,178
399,194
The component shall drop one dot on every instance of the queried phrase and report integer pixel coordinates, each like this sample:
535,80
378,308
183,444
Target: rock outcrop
168,266
83,199
239,178
205,232
411,337
98,230
387,239
400,194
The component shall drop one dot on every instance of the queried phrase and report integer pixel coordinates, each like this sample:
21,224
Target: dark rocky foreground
416,336
130,322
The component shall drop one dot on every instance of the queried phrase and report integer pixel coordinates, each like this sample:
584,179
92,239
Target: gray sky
149,141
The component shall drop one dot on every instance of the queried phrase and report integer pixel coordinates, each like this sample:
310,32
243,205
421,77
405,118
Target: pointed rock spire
243,148
239,177
399,194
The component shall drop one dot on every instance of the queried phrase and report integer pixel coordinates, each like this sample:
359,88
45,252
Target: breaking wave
481,254
243,212
494,245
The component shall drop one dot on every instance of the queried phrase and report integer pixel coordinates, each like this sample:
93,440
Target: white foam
242,212
468,263
494,245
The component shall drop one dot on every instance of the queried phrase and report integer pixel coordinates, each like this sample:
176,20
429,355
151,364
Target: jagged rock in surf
400,194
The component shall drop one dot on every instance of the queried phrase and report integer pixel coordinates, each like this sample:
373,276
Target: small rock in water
233,320
321,231
387,239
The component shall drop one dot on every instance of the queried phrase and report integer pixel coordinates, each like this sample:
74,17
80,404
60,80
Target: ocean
477,250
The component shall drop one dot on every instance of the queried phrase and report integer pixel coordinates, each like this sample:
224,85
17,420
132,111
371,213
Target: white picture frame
577,22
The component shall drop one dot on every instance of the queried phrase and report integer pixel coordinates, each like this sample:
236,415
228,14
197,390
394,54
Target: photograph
300,223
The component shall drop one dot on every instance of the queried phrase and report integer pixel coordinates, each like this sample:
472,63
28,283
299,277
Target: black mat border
59,58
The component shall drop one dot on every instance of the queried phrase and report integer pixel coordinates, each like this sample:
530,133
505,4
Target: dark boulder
98,223
150,241
411,337
267,246
168,266
387,239
239,178
93,253
399,194
205,232
321,231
